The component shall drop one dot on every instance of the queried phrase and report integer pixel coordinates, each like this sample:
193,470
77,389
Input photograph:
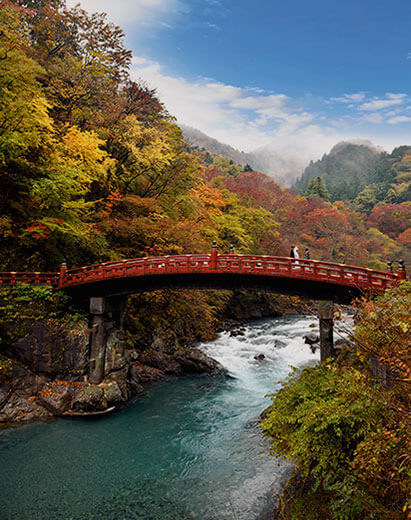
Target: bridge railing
259,265
329,272
11,278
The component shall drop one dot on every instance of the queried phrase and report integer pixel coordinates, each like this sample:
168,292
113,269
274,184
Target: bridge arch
305,278
310,279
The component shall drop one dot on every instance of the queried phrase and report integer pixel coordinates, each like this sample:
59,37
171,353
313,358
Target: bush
345,430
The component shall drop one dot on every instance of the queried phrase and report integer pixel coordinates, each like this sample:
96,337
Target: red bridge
306,278
107,285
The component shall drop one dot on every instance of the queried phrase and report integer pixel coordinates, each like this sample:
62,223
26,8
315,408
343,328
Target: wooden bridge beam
325,315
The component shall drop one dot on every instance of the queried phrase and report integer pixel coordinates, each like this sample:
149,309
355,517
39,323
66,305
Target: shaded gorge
189,448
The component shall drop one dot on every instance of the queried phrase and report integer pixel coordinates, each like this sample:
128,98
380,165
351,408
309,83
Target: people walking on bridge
307,253
292,252
296,255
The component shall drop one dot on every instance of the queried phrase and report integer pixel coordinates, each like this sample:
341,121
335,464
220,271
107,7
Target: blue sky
290,73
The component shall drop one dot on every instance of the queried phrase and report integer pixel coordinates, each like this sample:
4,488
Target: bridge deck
330,273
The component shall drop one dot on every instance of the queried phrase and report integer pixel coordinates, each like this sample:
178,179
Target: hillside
346,170
283,165
202,141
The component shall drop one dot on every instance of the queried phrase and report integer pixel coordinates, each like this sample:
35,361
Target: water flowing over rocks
279,344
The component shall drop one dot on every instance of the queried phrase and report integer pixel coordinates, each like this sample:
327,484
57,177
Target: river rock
88,399
193,361
120,378
311,338
140,374
19,410
237,332
55,397
164,362
259,357
113,394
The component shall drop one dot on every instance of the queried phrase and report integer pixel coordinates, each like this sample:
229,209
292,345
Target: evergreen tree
318,188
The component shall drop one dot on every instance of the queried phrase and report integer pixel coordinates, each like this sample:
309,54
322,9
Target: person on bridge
292,252
307,253
296,254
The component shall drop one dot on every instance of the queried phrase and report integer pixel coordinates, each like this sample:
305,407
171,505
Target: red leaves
112,200
391,219
38,231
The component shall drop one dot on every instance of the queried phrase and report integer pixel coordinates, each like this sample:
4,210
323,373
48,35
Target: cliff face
45,374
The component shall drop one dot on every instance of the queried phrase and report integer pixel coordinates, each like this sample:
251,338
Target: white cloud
136,12
399,119
250,118
243,117
358,97
374,117
382,103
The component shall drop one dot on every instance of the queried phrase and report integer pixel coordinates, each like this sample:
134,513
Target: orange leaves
112,200
209,197
305,237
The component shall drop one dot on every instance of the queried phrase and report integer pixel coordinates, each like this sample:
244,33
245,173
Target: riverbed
188,448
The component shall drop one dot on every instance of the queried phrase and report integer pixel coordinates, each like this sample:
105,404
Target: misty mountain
198,139
284,165
346,170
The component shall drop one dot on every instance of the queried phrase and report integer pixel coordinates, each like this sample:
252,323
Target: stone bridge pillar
325,315
106,314
98,340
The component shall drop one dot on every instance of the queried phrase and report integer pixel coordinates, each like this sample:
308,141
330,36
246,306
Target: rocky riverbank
47,373
44,354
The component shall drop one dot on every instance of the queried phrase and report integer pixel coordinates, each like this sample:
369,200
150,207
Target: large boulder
139,374
55,397
88,399
120,378
311,338
164,362
113,394
18,409
193,361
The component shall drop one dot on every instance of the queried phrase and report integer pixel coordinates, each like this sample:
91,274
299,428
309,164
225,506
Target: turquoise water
188,449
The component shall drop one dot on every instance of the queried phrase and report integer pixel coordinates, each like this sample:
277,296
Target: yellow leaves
405,327
83,146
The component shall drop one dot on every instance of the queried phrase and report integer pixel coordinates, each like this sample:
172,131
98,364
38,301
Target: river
187,449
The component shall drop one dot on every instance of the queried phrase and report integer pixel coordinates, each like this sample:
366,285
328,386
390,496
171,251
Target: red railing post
62,273
401,274
213,256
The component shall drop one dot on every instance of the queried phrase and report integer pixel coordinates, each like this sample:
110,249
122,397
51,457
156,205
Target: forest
93,168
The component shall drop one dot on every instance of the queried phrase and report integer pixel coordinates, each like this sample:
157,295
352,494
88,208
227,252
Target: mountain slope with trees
93,168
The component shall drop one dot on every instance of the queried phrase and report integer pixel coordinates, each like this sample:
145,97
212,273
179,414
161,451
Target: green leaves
347,430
